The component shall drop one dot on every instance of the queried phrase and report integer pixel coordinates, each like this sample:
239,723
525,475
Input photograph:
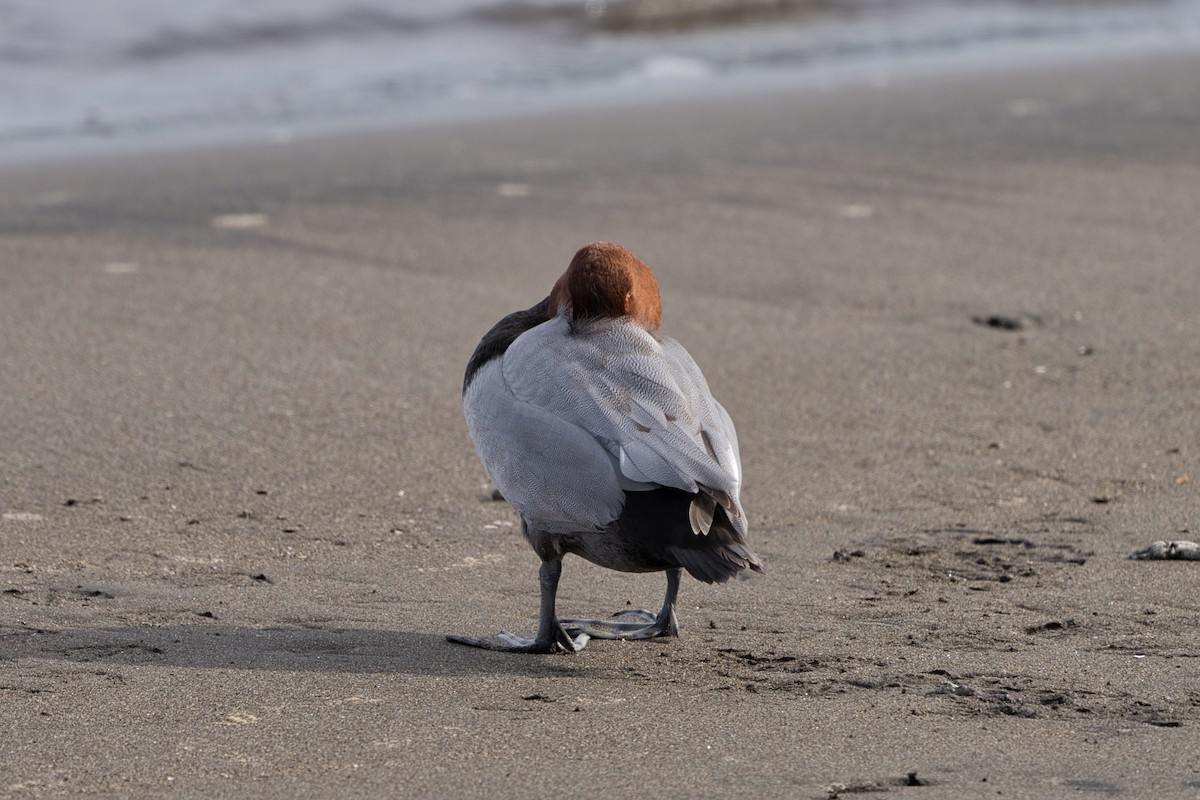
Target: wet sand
954,320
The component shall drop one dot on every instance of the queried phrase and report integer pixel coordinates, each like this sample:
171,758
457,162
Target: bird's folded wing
643,399
554,473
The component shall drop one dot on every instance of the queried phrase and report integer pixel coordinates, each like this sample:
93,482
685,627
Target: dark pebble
999,322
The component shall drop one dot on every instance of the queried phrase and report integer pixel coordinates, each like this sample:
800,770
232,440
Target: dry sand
240,508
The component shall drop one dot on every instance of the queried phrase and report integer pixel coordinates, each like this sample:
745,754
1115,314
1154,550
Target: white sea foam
667,68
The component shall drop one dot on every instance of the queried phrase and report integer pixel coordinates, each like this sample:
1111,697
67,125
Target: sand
953,318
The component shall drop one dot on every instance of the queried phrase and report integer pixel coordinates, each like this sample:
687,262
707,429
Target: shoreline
878,74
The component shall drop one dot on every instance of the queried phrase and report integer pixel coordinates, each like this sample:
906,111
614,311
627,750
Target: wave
77,70
348,23
624,16
653,16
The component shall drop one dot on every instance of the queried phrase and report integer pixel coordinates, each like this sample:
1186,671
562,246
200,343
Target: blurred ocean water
79,76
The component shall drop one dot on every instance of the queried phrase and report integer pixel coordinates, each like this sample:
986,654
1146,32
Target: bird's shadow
284,649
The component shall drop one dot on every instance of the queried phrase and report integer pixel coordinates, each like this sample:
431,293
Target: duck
604,437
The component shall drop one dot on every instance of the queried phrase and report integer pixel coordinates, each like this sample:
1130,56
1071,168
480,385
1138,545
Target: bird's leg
645,624
551,636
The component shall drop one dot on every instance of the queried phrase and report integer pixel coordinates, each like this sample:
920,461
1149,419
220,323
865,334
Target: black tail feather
660,520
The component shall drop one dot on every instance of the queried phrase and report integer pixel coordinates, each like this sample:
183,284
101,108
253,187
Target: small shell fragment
239,221
1179,549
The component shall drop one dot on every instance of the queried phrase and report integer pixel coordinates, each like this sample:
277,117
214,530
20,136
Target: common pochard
603,435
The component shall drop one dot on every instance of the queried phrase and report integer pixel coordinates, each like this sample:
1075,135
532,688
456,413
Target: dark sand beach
955,320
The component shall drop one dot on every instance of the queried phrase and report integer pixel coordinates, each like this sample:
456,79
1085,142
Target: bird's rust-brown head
606,280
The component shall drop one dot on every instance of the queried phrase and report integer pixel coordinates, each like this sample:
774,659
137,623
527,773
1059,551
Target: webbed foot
643,625
551,636
562,641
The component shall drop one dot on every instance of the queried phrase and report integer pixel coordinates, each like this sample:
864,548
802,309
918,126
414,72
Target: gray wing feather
639,399
554,473
713,418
